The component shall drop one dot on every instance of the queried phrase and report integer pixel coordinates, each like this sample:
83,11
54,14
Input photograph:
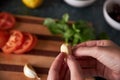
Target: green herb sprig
73,34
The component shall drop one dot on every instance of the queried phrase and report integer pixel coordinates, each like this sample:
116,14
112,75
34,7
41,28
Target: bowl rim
83,0
105,8
113,23
79,3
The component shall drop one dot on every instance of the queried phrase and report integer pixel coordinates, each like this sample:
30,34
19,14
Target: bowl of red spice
111,11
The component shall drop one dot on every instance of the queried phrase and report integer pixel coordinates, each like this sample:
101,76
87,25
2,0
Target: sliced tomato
4,36
35,40
7,21
15,40
27,43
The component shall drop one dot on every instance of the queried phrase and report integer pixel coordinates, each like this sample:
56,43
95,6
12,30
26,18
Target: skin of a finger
90,45
100,68
75,69
100,49
106,54
55,67
95,43
116,76
63,71
110,75
109,56
67,75
85,51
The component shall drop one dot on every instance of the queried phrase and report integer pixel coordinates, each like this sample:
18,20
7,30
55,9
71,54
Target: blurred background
56,8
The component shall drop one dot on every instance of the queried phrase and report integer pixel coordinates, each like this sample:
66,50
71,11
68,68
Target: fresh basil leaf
62,27
65,18
49,22
76,39
85,31
77,32
68,35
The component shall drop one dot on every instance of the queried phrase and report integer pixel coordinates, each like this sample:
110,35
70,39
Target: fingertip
61,55
70,57
58,61
74,67
71,61
64,55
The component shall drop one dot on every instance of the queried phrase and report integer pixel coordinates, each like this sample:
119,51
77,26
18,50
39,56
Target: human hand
65,70
104,51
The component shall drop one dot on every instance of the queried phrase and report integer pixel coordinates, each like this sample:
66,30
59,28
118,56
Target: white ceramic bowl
79,3
107,6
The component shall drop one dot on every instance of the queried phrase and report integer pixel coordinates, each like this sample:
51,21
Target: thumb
75,69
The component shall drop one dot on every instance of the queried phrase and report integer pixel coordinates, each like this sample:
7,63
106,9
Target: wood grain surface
41,57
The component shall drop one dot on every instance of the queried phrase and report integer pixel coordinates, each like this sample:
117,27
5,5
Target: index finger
96,43
57,63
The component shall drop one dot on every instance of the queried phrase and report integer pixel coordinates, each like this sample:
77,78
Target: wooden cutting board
41,57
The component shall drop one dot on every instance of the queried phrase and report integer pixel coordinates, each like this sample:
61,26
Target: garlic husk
66,48
30,72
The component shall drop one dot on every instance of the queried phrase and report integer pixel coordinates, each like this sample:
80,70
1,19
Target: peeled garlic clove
66,48
30,72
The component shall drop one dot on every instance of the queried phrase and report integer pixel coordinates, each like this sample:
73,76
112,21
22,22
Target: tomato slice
4,36
27,43
7,21
35,40
15,40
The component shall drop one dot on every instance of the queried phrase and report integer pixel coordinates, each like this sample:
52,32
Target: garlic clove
30,72
66,48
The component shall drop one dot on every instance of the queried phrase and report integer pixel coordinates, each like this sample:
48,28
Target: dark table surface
56,8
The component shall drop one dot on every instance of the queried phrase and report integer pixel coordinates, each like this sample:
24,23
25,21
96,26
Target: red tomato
7,21
27,43
4,36
15,40
34,43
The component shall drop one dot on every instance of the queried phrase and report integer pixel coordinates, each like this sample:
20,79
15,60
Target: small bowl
107,8
79,3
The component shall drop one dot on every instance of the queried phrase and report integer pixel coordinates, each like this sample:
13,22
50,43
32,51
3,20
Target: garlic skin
66,48
30,72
